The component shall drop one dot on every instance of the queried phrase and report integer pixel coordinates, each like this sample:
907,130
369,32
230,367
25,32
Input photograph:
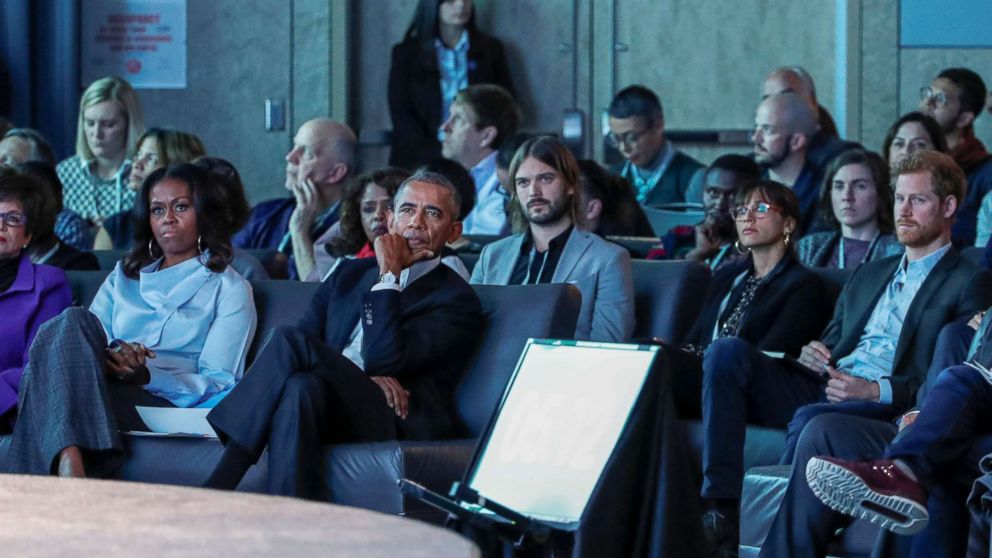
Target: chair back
279,303
668,297
511,314
665,219
109,258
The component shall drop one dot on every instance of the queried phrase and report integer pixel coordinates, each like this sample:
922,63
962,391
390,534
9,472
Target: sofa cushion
761,497
762,446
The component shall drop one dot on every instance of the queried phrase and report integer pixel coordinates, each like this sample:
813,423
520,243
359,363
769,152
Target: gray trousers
65,400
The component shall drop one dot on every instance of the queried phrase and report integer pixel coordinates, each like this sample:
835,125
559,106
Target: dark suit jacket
789,310
415,95
421,335
955,290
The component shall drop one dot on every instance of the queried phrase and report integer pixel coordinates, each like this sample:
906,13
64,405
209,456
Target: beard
918,236
556,209
773,159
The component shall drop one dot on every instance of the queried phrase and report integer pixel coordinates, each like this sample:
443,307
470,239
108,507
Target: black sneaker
721,533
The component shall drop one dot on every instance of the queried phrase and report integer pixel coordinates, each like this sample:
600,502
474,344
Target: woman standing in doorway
442,53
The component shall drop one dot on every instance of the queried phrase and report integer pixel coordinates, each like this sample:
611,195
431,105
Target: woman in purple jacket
30,294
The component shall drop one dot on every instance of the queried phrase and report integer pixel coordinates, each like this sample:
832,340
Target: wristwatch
388,278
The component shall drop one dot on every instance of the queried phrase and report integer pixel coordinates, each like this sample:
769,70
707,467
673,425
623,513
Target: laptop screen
561,415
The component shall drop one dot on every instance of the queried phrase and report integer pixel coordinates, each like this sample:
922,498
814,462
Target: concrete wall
892,75
706,58
242,52
578,53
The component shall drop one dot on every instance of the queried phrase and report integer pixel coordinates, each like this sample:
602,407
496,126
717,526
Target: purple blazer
39,293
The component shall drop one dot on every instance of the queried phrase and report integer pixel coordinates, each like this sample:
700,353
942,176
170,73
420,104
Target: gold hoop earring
737,245
199,243
150,253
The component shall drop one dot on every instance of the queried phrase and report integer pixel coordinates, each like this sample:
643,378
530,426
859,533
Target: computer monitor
559,419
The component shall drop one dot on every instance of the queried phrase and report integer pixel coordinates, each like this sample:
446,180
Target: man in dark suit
375,358
873,355
659,173
946,436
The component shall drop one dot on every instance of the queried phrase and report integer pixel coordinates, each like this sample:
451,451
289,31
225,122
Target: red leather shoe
876,491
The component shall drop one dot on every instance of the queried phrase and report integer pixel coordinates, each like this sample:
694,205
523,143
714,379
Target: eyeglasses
14,219
938,98
760,210
626,138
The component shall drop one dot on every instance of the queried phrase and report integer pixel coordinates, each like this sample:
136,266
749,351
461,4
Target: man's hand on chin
393,253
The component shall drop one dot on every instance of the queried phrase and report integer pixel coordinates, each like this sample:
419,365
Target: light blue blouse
199,323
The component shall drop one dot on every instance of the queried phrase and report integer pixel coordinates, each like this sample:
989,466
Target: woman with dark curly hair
178,319
366,200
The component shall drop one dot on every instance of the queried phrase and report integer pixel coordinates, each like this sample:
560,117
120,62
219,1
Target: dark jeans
943,446
741,386
804,526
297,396
951,350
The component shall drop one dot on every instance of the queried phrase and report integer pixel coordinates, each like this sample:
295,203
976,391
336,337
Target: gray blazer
600,270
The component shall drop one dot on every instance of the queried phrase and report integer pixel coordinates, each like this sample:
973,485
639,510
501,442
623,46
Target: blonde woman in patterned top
95,178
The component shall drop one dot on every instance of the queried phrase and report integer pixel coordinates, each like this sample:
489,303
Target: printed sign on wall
142,41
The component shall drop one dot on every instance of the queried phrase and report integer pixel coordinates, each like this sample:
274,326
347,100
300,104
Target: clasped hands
840,386
126,362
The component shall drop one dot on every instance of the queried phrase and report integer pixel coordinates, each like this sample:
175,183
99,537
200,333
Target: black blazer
790,309
422,335
954,291
415,94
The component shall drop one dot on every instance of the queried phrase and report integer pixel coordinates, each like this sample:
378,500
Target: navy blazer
789,310
415,94
954,291
421,335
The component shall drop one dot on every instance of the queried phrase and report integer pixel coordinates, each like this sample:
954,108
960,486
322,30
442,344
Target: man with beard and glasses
954,99
549,248
875,352
880,345
783,127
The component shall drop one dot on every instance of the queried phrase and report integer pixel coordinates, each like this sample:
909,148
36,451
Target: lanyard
840,251
643,186
715,260
48,255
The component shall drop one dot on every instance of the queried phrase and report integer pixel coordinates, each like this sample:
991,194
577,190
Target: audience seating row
668,296
365,475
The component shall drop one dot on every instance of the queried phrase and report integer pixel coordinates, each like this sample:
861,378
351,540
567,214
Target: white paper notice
172,420
142,41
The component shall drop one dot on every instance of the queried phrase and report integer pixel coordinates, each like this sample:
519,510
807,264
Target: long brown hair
551,151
